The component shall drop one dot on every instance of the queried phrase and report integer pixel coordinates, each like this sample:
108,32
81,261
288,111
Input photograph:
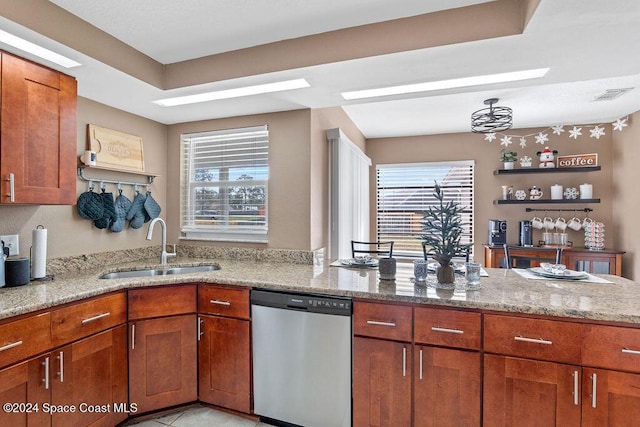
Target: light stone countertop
503,290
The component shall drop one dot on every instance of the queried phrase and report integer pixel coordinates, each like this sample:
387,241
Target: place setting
558,272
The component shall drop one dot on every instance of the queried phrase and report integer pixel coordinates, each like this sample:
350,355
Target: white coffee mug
561,224
575,224
89,158
536,223
548,223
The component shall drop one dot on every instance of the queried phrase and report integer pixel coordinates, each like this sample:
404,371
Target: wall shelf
544,201
545,170
149,177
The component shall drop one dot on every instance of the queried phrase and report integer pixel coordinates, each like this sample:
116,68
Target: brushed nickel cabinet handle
46,373
378,323
216,301
533,340
199,325
575,388
404,361
10,345
61,372
420,363
447,330
629,351
594,385
133,337
12,188
94,318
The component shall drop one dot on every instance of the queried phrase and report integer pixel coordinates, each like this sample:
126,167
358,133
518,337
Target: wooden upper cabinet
38,134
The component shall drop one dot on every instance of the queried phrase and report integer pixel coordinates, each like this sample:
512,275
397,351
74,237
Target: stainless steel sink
159,271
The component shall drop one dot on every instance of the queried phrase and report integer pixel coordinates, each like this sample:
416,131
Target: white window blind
224,184
404,191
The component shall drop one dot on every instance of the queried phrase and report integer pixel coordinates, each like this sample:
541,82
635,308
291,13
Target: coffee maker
497,232
526,234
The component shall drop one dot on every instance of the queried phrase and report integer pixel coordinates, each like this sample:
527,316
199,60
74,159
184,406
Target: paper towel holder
46,276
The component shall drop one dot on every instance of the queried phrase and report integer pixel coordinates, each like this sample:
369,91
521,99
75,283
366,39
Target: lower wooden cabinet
610,398
447,385
89,375
381,383
224,359
162,362
523,392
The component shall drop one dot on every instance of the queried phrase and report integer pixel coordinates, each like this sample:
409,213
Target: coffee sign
578,160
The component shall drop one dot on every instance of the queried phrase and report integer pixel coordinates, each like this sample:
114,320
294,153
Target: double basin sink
159,271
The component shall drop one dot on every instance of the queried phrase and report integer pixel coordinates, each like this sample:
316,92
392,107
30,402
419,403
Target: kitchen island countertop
503,290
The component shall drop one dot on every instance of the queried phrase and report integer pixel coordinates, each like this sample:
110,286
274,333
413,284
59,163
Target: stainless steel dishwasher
301,358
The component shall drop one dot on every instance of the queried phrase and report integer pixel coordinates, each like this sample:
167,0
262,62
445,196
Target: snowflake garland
595,131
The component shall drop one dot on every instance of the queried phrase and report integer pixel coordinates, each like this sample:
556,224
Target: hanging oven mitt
151,208
122,206
136,211
90,205
109,213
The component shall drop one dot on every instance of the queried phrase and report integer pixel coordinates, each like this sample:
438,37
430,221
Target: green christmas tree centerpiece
442,230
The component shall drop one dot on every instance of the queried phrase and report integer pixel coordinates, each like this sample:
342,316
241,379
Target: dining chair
525,257
373,248
427,254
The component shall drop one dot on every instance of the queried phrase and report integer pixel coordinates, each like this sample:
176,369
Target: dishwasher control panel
303,302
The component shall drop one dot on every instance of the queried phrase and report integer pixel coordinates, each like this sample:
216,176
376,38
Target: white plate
567,275
359,263
458,267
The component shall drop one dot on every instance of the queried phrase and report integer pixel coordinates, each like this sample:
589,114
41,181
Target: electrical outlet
12,242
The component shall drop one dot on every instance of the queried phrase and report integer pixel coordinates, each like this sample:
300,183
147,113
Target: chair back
526,257
380,249
426,253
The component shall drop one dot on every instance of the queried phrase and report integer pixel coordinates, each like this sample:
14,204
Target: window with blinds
224,184
404,191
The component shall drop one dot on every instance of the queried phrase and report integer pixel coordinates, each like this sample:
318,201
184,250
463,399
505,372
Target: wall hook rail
118,182
558,210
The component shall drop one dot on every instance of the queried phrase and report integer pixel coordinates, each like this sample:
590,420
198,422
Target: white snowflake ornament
541,138
506,141
523,142
490,136
557,129
620,124
597,132
575,132
525,162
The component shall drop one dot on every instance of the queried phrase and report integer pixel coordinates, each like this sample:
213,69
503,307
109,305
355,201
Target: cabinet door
162,362
522,393
91,375
610,398
597,263
37,133
25,383
381,383
446,387
225,363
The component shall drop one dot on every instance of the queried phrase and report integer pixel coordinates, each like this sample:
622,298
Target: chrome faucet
165,254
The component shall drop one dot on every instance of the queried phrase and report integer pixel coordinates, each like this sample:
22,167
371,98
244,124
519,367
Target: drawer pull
218,302
594,383
94,318
378,323
533,340
628,351
10,345
447,330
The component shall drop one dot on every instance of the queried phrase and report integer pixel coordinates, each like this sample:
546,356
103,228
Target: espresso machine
497,232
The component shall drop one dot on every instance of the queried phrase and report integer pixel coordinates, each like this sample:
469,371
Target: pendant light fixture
492,119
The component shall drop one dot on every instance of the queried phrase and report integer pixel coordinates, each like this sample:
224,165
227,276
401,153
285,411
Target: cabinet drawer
450,328
86,318
223,301
533,338
162,301
611,347
382,320
20,339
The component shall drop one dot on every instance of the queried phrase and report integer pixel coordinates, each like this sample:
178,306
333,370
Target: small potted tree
508,158
442,228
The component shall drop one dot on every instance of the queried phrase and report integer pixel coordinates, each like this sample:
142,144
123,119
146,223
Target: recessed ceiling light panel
34,49
447,84
234,93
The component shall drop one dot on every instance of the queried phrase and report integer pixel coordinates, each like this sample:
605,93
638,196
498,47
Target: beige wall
626,202
468,146
68,233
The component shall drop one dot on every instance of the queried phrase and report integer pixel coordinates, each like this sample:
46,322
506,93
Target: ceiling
589,45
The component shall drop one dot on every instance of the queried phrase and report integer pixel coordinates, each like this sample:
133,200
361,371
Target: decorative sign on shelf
116,150
578,160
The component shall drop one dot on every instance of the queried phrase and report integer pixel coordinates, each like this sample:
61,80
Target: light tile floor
199,417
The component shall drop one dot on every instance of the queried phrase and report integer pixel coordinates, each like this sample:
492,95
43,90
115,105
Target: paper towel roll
39,252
